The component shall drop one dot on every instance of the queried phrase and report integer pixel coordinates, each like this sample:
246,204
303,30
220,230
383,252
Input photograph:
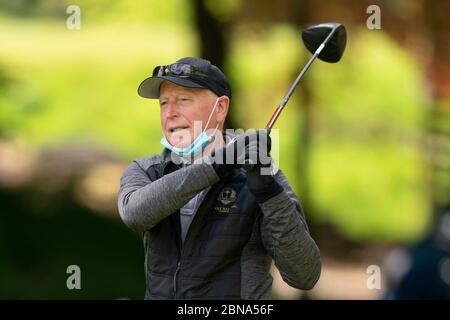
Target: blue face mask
199,143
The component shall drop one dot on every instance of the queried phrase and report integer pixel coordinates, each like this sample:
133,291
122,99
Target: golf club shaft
288,95
249,165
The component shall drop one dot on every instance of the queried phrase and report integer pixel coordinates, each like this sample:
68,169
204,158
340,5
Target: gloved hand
260,177
262,183
252,147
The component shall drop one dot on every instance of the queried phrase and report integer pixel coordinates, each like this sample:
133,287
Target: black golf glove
246,150
261,182
260,176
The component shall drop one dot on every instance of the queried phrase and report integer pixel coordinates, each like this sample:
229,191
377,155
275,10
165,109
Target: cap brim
149,88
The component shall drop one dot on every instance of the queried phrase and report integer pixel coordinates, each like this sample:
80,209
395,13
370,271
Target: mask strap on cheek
213,135
210,115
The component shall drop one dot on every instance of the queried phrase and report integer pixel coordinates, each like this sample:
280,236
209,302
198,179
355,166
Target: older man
211,228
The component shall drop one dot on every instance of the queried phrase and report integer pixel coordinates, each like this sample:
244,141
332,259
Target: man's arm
143,203
286,236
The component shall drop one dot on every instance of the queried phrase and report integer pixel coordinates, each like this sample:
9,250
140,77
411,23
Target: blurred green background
364,142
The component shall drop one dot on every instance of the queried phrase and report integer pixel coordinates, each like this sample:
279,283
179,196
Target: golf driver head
315,35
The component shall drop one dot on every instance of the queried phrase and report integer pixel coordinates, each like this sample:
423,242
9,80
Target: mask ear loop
209,119
211,113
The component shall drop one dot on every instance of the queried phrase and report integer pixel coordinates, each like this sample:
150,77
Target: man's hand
250,148
260,177
262,183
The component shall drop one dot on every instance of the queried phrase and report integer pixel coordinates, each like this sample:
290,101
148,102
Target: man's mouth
177,129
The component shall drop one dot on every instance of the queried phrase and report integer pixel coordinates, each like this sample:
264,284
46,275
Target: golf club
325,41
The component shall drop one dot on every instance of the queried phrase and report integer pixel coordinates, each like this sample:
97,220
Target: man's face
180,107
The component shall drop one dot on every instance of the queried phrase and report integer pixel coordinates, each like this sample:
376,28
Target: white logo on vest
227,196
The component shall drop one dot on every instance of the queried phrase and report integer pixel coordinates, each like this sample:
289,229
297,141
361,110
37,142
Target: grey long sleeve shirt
281,229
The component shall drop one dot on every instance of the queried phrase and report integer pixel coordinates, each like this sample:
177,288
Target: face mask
199,143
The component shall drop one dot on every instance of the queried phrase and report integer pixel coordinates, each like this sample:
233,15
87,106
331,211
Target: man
212,228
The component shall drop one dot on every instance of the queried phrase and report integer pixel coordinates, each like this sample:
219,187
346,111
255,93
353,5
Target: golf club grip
248,165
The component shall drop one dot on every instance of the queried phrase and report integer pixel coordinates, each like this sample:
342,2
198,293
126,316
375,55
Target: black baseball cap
186,72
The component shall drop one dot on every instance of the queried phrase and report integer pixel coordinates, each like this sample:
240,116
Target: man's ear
222,109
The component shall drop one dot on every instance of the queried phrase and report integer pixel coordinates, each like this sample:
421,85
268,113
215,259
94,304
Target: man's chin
180,144
180,139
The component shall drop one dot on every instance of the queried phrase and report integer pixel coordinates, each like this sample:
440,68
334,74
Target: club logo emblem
227,196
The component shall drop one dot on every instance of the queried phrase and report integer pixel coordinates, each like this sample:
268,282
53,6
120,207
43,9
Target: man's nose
171,110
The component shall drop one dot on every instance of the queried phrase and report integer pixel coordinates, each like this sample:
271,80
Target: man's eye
163,104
